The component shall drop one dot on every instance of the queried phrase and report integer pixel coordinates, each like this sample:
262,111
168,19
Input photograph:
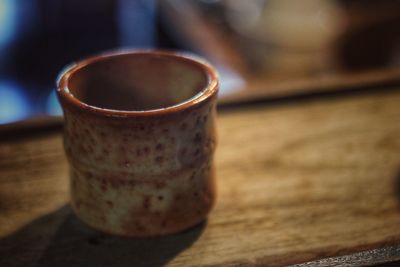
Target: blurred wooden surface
257,89
298,182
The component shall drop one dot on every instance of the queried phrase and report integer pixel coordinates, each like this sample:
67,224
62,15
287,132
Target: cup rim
209,90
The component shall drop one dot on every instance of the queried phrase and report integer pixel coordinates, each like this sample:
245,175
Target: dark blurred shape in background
39,37
248,41
372,36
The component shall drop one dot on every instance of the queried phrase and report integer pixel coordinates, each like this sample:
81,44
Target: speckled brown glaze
141,172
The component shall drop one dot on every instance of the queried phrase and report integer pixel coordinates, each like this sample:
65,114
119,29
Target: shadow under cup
139,134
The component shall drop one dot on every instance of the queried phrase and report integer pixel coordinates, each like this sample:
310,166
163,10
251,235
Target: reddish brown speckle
165,130
91,140
74,136
82,149
138,152
209,143
159,159
78,204
157,213
160,184
207,197
103,188
110,203
114,183
103,134
127,163
99,158
198,120
192,165
197,152
163,224
204,189
178,197
183,151
146,149
106,151
90,149
197,138
146,202
90,185
208,167
139,227
159,147
183,126
150,129
131,183
160,198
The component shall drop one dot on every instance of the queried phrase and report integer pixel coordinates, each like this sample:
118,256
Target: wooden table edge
369,257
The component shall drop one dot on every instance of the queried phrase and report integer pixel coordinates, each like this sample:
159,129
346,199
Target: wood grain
298,182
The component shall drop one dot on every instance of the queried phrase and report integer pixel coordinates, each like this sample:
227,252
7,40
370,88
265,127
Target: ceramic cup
139,134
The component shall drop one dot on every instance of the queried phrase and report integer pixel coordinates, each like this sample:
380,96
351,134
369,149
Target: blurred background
253,43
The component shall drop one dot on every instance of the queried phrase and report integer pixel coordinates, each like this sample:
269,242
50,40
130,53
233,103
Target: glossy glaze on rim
208,91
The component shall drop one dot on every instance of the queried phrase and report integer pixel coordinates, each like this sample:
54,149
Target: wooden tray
313,182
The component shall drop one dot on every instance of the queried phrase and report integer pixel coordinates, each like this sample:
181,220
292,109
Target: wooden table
314,180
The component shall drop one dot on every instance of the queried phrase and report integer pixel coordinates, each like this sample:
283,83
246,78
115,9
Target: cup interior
138,81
